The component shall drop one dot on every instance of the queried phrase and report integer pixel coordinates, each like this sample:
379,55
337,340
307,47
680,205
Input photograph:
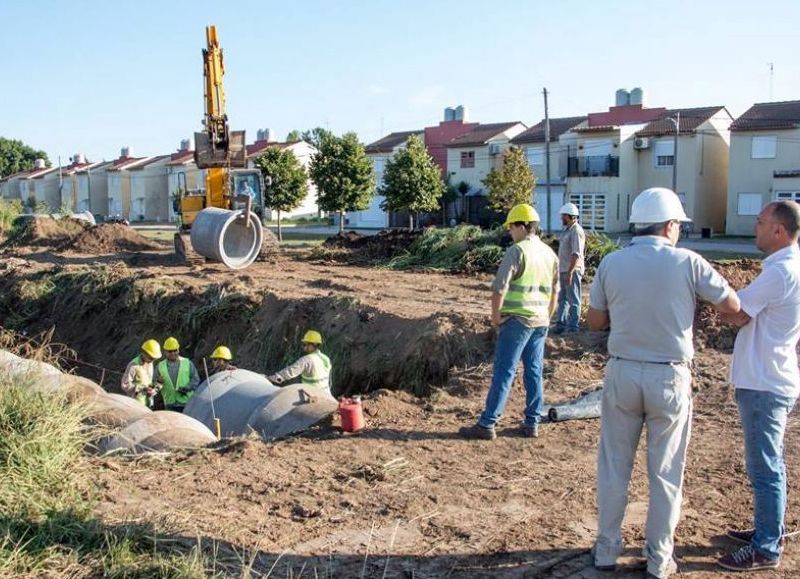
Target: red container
352,414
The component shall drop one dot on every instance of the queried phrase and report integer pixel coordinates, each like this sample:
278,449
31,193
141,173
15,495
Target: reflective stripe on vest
169,392
322,371
529,295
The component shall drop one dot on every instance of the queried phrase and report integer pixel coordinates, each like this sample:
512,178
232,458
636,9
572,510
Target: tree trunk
280,233
341,221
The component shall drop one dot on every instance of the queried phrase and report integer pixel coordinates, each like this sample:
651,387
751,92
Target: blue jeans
514,341
569,302
763,416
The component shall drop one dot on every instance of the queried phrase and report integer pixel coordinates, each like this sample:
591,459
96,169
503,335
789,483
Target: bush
9,211
466,248
598,246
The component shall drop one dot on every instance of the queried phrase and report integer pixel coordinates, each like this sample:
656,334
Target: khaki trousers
659,396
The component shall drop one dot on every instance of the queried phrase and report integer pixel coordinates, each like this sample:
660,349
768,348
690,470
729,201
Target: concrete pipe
161,430
116,411
19,367
221,235
587,405
292,409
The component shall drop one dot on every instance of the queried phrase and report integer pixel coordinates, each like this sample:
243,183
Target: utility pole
60,185
771,79
675,153
547,158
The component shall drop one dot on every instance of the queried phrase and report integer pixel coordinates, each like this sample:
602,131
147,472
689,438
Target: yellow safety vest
528,296
170,392
145,381
321,374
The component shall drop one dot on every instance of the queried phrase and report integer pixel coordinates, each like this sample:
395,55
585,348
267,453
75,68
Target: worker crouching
177,377
221,360
314,368
137,381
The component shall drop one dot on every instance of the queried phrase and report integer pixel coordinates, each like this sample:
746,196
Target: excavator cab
247,183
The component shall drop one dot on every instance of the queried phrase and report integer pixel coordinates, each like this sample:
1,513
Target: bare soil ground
407,497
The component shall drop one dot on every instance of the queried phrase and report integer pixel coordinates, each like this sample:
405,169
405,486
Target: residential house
69,182
182,176
470,157
119,186
91,188
303,151
764,162
149,191
15,186
562,139
627,149
44,187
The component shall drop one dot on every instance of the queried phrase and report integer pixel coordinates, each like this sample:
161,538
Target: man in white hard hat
646,292
571,249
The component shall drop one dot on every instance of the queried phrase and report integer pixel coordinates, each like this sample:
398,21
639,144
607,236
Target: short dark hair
651,229
530,226
787,213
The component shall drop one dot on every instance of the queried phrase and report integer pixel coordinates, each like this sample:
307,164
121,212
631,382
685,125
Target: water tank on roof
185,144
78,159
125,152
637,96
39,164
622,98
449,114
264,135
462,113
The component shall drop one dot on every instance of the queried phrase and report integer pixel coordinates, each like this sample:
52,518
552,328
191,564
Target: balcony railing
593,166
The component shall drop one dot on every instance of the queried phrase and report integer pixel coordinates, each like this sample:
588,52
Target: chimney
185,143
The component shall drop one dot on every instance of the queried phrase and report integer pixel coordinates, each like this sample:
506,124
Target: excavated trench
104,313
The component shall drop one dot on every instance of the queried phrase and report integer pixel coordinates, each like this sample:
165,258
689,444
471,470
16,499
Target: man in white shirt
765,374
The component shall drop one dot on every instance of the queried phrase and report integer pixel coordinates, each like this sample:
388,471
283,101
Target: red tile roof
125,162
481,134
150,161
769,116
390,141
625,115
690,120
181,157
259,147
557,128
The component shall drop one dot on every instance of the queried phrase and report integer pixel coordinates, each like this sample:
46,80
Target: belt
684,363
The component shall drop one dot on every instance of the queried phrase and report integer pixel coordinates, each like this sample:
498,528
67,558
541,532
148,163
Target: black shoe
557,330
476,431
529,431
745,536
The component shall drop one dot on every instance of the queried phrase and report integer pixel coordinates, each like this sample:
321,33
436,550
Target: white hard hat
569,209
657,205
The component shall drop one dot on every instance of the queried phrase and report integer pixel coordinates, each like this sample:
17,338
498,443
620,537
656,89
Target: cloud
427,96
375,89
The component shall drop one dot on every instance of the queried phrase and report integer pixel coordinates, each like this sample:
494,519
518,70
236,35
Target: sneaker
605,567
747,559
529,431
476,431
557,330
745,536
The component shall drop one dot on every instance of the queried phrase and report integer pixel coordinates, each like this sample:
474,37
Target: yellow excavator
229,185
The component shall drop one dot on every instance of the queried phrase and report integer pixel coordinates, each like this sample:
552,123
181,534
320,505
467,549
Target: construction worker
177,376
767,382
221,359
571,248
314,368
137,381
523,302
647,292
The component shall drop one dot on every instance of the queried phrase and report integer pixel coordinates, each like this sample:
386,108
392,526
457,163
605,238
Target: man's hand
570,273
738,319
151,392
497,319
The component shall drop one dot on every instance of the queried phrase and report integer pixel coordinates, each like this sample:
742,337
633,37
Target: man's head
777,226
171,349
658,211
521,221
221,356
312,340
569,214
150,351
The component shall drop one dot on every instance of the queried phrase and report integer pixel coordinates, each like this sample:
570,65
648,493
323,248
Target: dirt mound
45,231
354,248
109,238
270,248
709,330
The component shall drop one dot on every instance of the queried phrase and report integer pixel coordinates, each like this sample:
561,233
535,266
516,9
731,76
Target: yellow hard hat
152,349
222,353
523,213
171,344
312,337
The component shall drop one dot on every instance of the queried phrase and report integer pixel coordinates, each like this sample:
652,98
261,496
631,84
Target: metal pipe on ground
227,237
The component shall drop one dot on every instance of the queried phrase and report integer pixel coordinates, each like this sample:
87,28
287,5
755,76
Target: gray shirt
649,290
572,242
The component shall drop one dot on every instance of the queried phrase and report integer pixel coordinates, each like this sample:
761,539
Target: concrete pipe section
247,402
158,431
221,235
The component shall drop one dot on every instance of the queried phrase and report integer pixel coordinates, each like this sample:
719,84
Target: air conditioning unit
494,148
641,143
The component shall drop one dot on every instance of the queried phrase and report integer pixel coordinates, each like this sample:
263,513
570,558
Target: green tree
288,178
16,156
294,136
342,173
314,136
512,183
412,181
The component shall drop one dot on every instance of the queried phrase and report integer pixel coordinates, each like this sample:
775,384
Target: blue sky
91,76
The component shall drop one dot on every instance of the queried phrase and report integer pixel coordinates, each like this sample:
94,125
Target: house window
788,196
592,209
764,147
749,204
467,159
664,153
535,156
